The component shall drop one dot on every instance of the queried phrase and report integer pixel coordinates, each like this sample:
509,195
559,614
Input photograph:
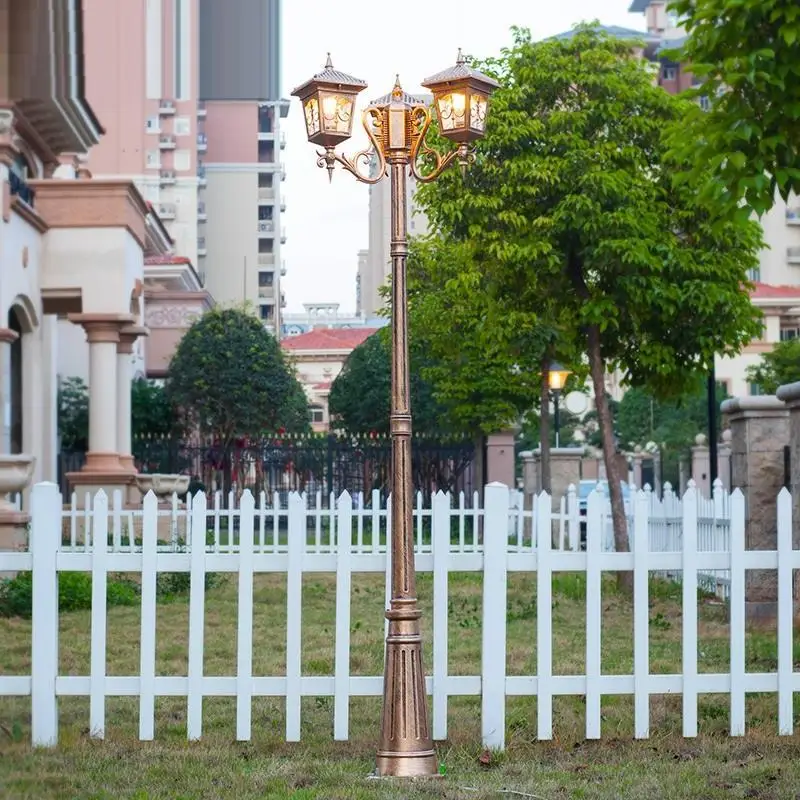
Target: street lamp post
557,377
396,125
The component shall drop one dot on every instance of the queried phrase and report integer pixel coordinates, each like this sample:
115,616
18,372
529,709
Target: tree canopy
231,379
778,367
572,209
746,55
360,394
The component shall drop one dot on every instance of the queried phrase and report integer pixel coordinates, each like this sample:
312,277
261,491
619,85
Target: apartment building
240,84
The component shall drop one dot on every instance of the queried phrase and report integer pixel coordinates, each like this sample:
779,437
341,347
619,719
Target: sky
326,224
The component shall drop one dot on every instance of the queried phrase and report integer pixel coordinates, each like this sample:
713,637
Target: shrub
74,593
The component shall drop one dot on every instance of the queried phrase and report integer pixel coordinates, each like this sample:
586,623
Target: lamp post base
408,765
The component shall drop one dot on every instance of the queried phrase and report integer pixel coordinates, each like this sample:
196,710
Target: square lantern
329,100
461,97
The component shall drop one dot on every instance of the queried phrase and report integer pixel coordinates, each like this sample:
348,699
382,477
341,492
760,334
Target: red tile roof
764,291
328,339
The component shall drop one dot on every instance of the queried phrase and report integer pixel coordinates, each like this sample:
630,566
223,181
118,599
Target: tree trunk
613,472
544,429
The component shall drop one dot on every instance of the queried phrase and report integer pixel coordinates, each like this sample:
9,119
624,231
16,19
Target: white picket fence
485,547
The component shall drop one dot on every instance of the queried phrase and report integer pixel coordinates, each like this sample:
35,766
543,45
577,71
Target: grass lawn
761,765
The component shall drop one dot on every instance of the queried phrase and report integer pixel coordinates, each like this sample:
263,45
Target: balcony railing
167,176
166,107
266,193
20,189
793,255
166,141
266,226
202,142
266,259
167,210
201,108
793,216
266,291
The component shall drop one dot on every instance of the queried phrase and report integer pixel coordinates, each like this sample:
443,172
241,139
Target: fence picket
689,613
595,520
244,638
641,618
737,615
544,616
147,651
97,680
294,617
44,543
785,615
341,688
440,541
493,658
197,598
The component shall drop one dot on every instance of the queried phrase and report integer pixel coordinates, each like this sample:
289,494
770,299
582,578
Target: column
7,337
701,464
759,432
127,338
103,335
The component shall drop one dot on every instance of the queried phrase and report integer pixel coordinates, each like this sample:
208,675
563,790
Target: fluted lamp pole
396,125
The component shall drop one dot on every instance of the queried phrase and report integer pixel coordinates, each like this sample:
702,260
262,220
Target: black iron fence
306,463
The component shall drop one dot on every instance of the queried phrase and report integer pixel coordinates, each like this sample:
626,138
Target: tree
152,413
778,367
572,202
230,379
746,147
73,414
360,394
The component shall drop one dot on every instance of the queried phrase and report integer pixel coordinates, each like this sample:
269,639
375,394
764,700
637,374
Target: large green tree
746,54
231,379
572,204
360,394
778,367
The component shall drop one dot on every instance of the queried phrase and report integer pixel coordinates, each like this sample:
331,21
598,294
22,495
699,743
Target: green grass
761,765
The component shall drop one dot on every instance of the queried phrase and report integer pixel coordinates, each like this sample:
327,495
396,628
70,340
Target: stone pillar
565,468
127,338
500,458
102,468
790,395
759,431
638,456
701,465
531,473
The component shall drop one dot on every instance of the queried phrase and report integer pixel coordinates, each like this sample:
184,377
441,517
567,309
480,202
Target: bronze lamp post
396,125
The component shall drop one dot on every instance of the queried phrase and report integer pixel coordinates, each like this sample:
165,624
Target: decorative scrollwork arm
421,123
372,121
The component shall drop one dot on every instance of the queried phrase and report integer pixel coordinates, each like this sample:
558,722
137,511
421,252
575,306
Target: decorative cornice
174,316
92,203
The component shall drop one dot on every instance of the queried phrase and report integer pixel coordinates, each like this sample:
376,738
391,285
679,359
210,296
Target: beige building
71,250
319,356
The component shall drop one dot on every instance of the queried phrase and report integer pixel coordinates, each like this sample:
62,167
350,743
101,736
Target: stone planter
16,472
164,487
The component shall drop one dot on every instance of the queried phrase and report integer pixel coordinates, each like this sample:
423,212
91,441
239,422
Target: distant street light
397,125
557,378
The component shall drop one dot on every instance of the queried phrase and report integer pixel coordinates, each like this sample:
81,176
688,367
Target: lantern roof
460,72
398,95
330,78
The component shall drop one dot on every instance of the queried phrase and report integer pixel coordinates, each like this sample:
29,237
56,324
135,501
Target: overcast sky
326,224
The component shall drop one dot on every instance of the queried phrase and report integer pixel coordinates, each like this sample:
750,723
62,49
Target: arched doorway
14,408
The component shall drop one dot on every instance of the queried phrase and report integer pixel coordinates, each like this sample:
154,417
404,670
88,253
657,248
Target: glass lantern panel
337,113
477,111
452,108
312,116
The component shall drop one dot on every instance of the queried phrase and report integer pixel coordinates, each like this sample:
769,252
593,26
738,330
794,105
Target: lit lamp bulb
329,107
459,100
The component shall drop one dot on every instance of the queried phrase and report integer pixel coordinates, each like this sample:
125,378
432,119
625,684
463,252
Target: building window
153,125
183,126
264,213
754,274
317,414
267,312
756,390
704,103
788,333
153,158
669,73
182,159
266,278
